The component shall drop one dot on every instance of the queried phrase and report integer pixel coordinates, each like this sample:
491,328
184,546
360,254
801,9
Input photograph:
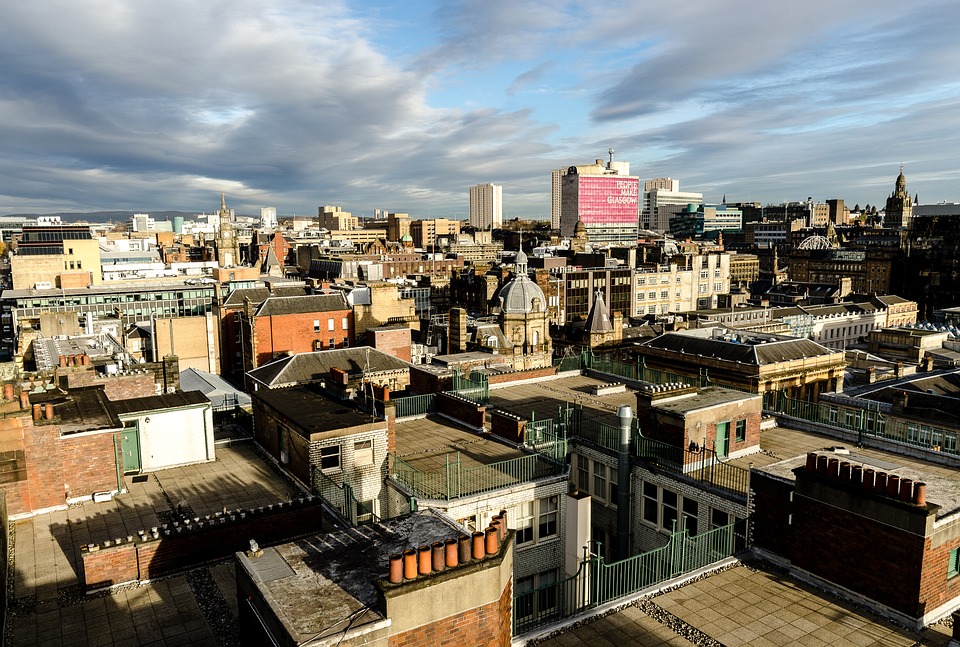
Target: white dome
518,296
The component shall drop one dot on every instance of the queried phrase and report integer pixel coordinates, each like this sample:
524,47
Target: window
668,509
364,511
664,294
316,325
741,430
330,458
650,503
613,487
330,326
651,295
599,480
547,522
583,473
363,453
690,513
524,517
954,567
345,323
333,343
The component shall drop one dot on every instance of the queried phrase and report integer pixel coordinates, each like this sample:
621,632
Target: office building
486,206
604,197
663,199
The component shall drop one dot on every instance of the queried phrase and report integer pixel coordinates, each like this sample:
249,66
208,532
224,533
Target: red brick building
282,326
230,312
885,531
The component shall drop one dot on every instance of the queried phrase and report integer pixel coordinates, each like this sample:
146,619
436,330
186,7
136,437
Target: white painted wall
175,438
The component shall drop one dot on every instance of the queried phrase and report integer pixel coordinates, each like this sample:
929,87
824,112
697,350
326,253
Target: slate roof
274,306
757,350
598,320
307,367
257,295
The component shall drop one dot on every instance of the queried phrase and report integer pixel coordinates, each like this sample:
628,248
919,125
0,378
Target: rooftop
311,411
705,398
546,398
321,586
427,444
785,449
755,349
307,367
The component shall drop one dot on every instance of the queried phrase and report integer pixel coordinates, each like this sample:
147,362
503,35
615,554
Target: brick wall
487,626
394,341
295,333
175,551
89,463
507,425
936,589
422,381
532,373
461,409
153,378
771,514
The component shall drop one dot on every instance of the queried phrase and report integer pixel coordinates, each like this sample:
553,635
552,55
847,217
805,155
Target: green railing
702,466
640,372
415,405
340,497
547,439
455,480
475,388
598,583
571,363
864,422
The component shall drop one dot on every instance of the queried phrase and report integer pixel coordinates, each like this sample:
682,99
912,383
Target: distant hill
110,216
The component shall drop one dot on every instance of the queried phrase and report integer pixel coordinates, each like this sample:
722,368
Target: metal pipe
625,414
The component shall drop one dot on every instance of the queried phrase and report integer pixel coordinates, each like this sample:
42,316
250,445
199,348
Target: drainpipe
625,414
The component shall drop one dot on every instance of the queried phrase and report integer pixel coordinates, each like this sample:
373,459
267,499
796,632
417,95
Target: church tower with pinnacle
899,209
228,248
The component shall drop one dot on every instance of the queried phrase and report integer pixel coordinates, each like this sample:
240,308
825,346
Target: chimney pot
24,400
856,474
822,464
436,552
920,493
844,471
833,468
450,550
906,490
396,568
37,412
48,411
880,485
8,391
410,564
868,475
811,461
463,548
492,544
893,485
424,566
478,545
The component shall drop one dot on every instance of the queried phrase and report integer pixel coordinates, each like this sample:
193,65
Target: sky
124,105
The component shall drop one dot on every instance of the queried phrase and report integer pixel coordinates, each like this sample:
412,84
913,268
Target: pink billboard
608,199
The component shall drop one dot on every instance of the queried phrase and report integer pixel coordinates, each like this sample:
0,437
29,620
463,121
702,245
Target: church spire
223,201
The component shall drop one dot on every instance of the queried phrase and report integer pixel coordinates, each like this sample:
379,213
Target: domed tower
523,319
899,209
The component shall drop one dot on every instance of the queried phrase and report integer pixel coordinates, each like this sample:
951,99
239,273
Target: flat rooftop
710,396
321,586
429,444
785,449
313,412
752,604
546,398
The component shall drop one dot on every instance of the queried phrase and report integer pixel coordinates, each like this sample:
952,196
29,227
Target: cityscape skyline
384,105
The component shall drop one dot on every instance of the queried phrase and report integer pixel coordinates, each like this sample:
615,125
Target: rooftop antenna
610,151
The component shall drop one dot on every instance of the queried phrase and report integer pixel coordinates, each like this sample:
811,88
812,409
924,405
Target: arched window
536,337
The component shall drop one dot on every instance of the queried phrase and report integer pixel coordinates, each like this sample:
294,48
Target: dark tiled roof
770,352
155,402
306,367
598,320
257,295
274,306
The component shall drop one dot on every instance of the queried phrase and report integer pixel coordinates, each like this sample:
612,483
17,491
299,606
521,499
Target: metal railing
864,422
640,372
341,497
475,388
415,405
597,583
455,480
